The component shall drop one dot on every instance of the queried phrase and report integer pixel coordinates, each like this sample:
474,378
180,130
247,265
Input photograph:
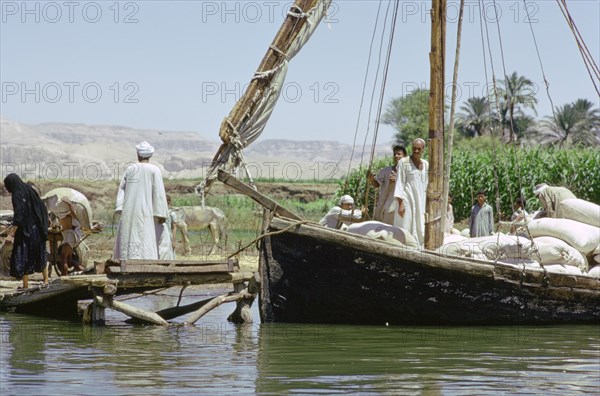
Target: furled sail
249,116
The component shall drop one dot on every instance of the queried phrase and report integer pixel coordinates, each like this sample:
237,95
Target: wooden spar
129,310
261,199
215,302
175,312
433,225
275,56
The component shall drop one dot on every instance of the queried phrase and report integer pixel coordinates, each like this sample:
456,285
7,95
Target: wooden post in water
243,311
95,314
433,228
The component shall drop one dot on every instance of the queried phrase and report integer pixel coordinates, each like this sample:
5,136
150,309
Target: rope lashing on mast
248,118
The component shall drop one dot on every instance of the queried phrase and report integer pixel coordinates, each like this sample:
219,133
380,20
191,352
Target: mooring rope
266,234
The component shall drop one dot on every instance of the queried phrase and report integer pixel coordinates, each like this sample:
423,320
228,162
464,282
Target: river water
42,356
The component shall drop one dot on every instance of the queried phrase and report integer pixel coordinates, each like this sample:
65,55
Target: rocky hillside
92,152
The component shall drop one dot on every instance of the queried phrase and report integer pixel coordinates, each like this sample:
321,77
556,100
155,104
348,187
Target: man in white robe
411,186
142,202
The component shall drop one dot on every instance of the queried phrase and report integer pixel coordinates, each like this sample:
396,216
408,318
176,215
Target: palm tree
574,123
475,118
517,92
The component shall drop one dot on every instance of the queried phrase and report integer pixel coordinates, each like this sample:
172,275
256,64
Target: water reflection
41,356
417,360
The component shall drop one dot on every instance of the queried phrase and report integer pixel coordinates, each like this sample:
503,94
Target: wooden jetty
60,297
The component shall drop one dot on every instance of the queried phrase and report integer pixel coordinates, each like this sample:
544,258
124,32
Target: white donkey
200,217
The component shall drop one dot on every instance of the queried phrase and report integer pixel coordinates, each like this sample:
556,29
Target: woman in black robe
29,231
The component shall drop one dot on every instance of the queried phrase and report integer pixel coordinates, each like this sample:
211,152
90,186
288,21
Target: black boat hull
316,275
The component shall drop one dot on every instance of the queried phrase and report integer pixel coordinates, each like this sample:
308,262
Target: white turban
346,199
144,150
539,188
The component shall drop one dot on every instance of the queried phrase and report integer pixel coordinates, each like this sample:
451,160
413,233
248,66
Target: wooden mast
433,225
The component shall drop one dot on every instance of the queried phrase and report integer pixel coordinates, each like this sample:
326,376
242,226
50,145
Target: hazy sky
181,65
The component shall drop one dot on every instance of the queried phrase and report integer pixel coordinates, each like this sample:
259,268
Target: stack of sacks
552,250
584,212
494,247
584,238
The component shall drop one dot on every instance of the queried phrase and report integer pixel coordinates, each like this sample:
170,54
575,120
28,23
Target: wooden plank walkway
59,298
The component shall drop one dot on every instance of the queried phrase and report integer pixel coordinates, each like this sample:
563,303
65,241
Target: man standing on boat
342,215
385,208
410,189
142,202
482,217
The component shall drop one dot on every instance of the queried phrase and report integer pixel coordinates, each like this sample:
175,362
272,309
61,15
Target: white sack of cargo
594,272
55,204
556,251
382,231
563,269
520,263
579,210
583,237
492,247
466,232
450,238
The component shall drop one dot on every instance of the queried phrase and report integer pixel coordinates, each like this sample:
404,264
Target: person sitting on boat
343,214
385,180
411,185
519,216
482,217
550,197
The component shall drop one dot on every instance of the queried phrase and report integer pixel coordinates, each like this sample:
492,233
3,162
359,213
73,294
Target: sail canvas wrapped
249,117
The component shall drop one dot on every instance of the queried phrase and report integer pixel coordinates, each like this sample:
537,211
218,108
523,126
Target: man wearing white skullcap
343,214
550,197
144,150
142,203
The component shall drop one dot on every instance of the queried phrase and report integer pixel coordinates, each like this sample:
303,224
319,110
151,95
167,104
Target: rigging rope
362,97
537,51
357,186
588,59
381,100
448,164
498,111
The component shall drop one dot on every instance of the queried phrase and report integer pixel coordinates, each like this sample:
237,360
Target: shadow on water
41,356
